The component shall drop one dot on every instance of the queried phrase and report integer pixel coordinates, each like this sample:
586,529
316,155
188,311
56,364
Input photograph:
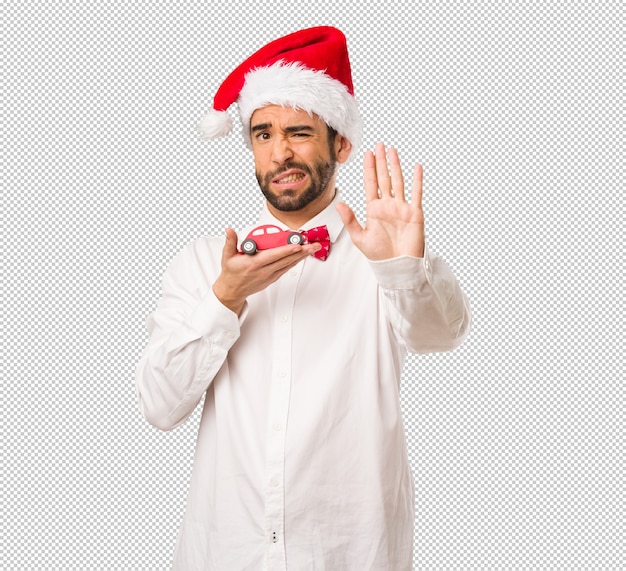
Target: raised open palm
393,227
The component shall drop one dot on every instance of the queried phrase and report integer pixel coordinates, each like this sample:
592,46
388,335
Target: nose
281,150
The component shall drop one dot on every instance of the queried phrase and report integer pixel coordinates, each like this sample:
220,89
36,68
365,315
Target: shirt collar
329,217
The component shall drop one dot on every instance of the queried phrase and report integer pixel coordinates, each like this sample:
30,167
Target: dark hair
332,134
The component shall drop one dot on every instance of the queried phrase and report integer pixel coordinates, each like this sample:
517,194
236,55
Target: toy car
269,236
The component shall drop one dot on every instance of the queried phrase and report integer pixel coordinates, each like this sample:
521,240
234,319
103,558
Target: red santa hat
308,70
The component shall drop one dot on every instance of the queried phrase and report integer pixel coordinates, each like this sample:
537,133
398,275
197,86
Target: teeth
291,178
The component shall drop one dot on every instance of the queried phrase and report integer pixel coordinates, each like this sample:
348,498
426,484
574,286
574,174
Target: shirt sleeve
191,332
424,302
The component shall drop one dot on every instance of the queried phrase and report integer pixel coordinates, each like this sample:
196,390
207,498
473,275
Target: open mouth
290,177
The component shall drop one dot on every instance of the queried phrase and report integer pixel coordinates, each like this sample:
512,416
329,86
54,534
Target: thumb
349,221
230,246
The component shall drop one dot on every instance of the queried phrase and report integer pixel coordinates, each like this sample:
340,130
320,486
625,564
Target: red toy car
269,236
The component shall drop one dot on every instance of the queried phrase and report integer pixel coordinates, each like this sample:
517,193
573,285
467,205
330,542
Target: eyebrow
290,129
295,128
261,127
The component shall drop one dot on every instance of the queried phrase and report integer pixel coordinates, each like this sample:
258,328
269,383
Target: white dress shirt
301,459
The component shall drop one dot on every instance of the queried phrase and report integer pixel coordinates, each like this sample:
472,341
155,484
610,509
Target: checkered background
514,108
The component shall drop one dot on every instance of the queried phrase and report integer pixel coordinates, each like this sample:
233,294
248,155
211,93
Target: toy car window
273,230
258,232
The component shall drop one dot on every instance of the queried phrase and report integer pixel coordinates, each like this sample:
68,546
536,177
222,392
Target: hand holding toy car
242,276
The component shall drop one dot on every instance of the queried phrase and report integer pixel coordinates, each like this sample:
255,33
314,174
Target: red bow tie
318,234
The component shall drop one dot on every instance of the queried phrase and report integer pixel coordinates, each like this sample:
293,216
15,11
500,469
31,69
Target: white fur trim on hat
301,88
215,124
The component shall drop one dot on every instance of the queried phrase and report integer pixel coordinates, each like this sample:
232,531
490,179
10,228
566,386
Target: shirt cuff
214,321
403,272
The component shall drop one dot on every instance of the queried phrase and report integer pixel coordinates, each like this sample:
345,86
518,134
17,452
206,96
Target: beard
320,176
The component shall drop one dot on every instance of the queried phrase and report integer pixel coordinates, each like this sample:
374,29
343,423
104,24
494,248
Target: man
301,459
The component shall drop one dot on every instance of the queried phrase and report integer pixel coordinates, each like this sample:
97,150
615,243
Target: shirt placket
285,292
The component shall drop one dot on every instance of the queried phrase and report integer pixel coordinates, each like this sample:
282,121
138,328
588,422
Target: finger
259,276
417,186
397,180
370,182
283,265
384,182
267,265
283,256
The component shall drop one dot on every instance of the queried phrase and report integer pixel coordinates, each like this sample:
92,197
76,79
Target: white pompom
215,124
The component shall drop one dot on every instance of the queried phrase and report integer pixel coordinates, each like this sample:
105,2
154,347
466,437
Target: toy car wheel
295,238
248,247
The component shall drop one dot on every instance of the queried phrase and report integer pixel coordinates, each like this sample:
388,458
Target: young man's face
294,157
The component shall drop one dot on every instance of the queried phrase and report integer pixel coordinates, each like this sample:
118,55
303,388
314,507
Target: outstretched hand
394,227
243,275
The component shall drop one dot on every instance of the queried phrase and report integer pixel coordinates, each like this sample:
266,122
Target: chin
290,201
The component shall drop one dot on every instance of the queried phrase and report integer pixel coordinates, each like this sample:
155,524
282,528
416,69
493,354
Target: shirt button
277,427
284,318
274,481
230,334
282,373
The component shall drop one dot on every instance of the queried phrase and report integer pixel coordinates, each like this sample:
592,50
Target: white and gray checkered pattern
516,439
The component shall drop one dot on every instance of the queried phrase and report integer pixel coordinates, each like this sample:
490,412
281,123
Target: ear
343,147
